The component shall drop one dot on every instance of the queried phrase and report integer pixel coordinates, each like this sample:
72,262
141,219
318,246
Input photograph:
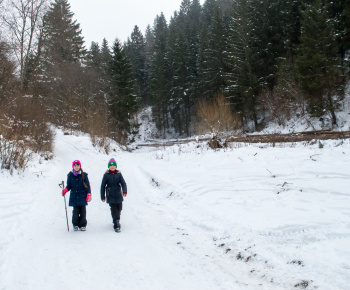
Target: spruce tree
94,56
62,39
159,75
213,66
149,49
123,102
207,15
241,78
62,53
106,58
137,55
194,15
339,12
319,63
180,99
208,11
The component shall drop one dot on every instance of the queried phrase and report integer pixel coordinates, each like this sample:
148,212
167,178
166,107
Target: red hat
76,162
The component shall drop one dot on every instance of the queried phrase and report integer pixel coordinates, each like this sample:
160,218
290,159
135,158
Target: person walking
80,194
114,187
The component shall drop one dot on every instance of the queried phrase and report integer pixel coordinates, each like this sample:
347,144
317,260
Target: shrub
216,117
23,131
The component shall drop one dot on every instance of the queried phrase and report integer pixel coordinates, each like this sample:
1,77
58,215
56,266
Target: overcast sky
112,19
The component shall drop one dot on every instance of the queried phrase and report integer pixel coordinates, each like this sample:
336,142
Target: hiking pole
65,205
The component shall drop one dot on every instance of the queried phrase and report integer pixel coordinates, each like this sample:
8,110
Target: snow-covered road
250,218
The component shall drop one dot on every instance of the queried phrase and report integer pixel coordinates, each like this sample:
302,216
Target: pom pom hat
112,162
76,162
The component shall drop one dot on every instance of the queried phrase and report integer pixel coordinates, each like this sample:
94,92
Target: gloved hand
88,197
64,191
124,194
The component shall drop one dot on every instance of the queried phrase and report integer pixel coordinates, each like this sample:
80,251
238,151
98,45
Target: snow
248,217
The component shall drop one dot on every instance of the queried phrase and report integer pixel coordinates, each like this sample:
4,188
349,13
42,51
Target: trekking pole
65,205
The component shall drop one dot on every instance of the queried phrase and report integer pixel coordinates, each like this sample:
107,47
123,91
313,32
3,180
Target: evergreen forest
237,63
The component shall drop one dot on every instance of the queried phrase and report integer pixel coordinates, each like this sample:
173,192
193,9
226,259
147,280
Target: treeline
47,76
269,58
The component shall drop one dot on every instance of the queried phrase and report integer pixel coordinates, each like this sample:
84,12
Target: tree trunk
331,110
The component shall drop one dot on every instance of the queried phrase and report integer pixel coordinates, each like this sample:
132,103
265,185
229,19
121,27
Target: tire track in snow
40,254
193,237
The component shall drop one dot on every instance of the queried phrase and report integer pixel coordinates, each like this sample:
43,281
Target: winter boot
117,226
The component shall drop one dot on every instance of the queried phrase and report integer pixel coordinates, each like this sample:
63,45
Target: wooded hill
257,61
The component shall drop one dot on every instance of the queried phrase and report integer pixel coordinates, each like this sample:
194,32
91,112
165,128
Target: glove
88,197
124,194
64,191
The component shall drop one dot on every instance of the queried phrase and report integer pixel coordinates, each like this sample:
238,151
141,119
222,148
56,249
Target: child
79,185
112,183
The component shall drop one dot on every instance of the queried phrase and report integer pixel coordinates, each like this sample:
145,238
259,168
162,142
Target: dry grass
216,117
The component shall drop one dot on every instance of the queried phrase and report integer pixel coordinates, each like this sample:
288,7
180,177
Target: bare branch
22,19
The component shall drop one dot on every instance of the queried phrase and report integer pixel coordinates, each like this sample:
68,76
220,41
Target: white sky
112,19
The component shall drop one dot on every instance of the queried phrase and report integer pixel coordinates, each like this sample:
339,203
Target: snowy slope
250,217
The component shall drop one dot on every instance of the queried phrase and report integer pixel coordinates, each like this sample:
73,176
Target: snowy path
39,253
250,218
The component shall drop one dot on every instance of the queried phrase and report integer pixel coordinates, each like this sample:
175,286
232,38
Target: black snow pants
116,209
79,216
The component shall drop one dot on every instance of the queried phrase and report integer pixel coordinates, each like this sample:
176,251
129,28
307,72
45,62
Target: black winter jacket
78,192
111,185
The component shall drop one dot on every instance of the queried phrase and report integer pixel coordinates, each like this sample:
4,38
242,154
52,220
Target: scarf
76,173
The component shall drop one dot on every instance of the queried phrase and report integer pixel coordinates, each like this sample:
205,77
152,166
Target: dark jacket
111,185
78,192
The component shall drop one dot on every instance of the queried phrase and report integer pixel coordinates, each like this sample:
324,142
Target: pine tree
319,64
159,75
256,41
137,54
183,45
339,12
213,66
345,20
106,56
149,48
194,15
106,59
289,25
242,80
94,56
62,53
264,42
179,56
237,55
208,11
207,14
123,102
62,39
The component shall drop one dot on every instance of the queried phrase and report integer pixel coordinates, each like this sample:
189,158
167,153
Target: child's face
76,167
112,167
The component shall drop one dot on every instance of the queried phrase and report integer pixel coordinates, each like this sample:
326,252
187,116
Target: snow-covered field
249,217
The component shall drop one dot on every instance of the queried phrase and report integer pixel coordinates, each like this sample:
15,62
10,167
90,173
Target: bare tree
1,20
23,19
